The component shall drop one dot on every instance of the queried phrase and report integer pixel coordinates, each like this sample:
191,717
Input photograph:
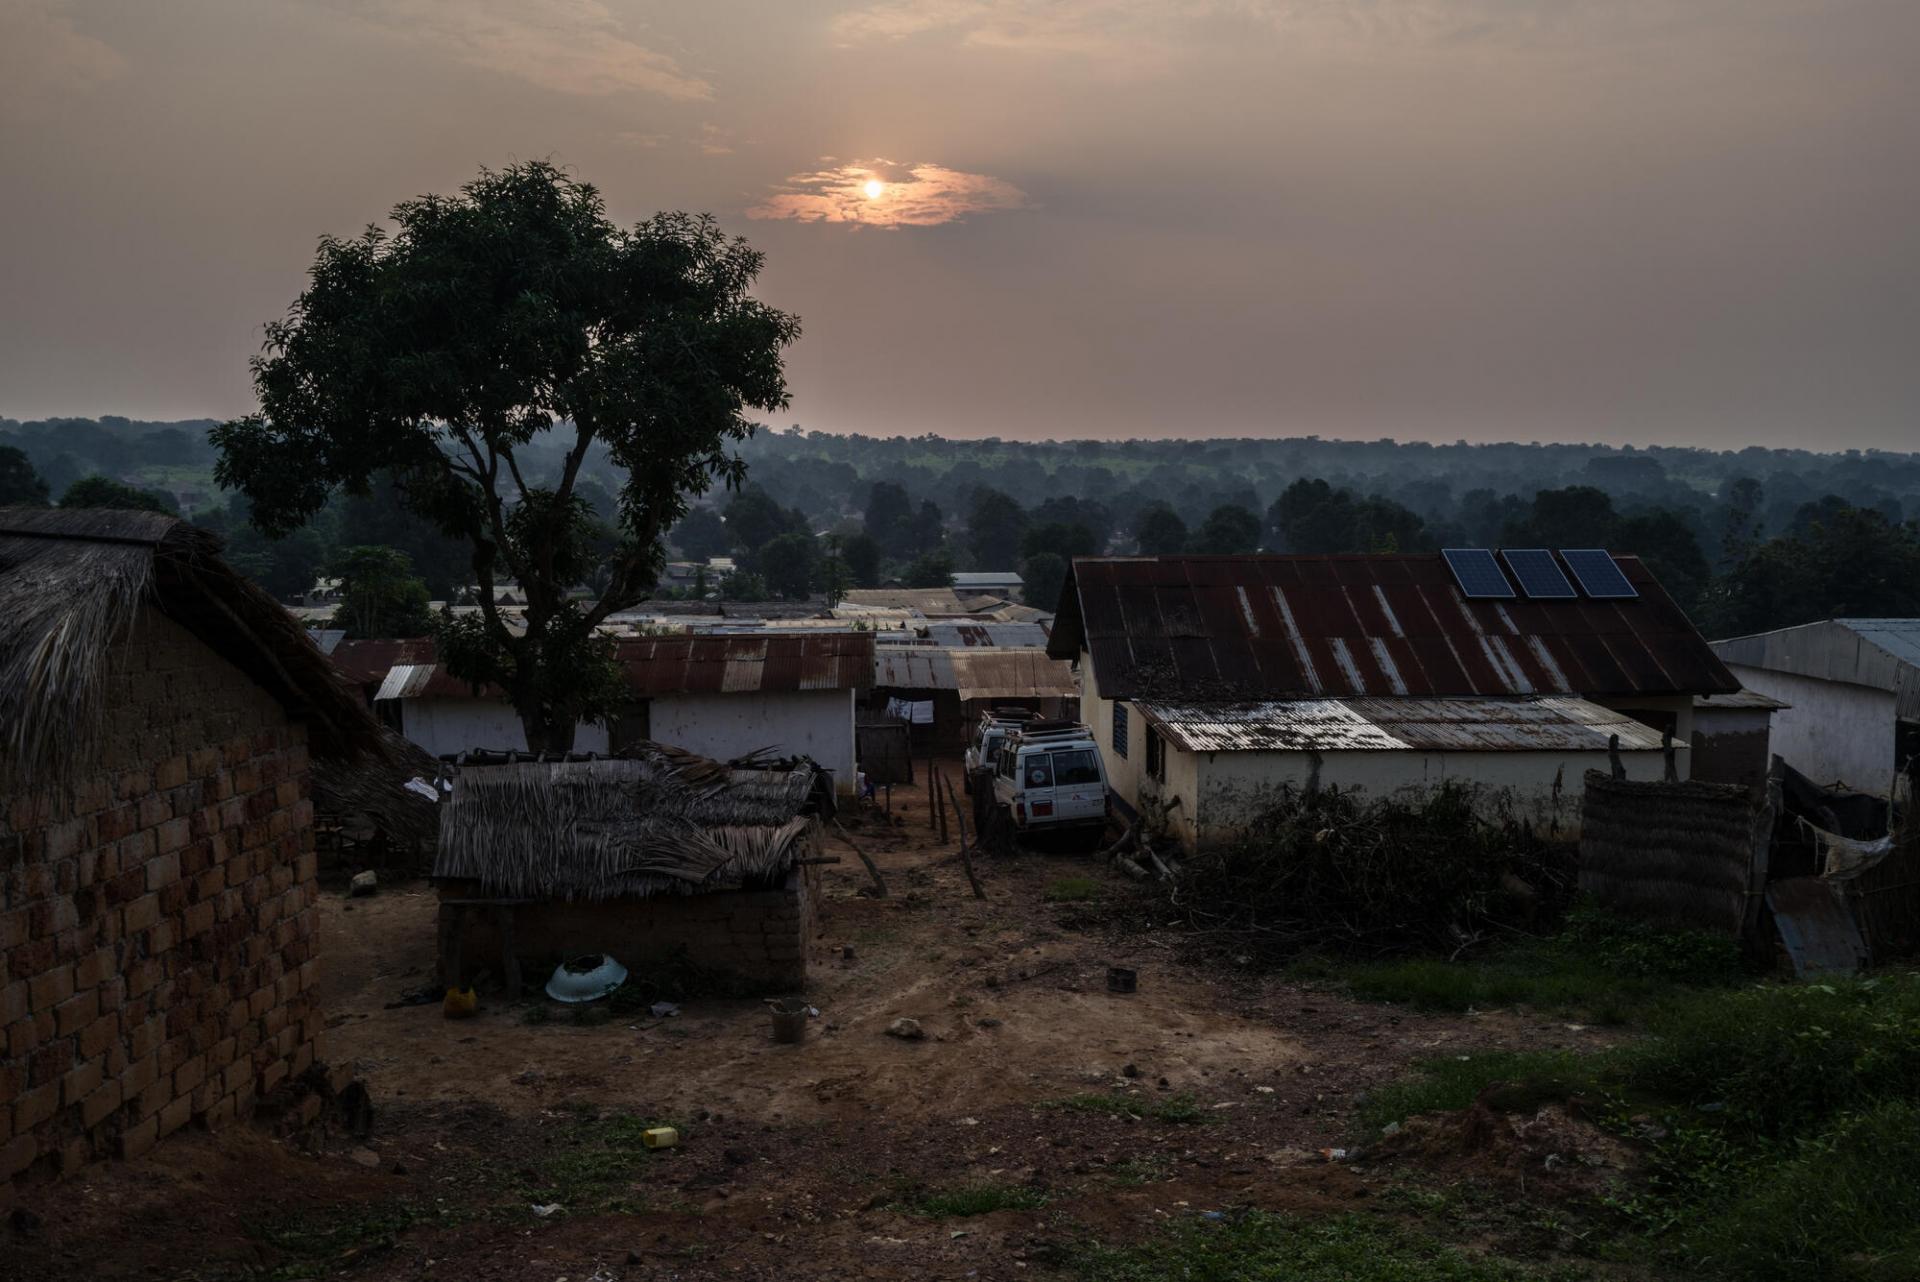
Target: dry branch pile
1339,872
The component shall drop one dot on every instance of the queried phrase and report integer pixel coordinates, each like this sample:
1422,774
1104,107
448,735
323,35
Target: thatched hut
372,813
660,855
157,717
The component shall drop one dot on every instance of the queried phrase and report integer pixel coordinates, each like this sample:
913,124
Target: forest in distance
1745,540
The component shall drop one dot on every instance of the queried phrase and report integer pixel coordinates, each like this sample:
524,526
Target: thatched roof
71,584
369,798
661,821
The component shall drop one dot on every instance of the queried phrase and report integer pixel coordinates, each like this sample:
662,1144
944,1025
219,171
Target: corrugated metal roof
729,664
1225,629
1012,674
933,602
974,674
1422,725
1007,635
985,580
1743,700
1882,654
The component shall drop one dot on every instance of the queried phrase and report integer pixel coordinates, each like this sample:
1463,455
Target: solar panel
1599,577
1537,574
1478,574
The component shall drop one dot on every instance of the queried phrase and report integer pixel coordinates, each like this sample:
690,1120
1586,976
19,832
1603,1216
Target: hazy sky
1656,221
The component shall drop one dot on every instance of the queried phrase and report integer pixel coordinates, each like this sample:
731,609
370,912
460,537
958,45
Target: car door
1079,791
1036,786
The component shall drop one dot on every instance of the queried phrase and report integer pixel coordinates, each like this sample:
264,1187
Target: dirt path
801,1161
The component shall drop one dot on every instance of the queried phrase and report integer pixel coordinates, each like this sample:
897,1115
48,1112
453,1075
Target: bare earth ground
799,1161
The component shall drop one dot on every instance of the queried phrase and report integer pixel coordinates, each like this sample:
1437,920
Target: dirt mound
1551,1150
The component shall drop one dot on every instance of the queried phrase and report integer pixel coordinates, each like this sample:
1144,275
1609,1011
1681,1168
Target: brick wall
758,936
157,927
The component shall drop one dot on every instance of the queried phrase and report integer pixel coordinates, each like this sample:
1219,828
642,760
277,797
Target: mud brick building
157,719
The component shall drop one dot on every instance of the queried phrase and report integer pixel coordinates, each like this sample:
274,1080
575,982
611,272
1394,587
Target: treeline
1745,540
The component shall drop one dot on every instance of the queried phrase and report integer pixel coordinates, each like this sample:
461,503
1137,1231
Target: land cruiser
1049,778
983,746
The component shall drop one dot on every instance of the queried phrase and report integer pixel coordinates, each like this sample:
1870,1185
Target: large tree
380,595
1160,532
19,483
513,312
996,523
1229,530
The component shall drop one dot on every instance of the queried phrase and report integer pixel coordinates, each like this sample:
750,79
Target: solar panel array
1600,578
1537,574
1478,574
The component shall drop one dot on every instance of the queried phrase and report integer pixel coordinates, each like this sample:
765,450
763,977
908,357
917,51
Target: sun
874,188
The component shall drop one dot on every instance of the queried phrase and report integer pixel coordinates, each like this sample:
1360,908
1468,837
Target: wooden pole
966,859
940,800
879,883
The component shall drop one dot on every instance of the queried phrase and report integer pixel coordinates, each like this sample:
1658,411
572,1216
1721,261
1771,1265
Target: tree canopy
101,491
380,595
19,483
1160,532
440,351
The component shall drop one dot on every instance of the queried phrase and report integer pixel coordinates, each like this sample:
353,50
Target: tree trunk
547,732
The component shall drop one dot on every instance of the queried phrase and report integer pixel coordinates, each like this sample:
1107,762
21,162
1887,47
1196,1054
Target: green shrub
1843,1206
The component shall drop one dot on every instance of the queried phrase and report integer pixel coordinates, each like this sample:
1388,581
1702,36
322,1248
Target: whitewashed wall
816,723
444,726
1834,732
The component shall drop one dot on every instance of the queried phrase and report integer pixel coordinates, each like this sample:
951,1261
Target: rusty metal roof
975,674
1549,724
1241,628
723,664
366,663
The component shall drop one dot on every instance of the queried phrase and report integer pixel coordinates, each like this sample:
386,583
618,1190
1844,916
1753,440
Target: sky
1630,221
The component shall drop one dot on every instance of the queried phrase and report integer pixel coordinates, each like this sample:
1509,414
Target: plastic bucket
789,1020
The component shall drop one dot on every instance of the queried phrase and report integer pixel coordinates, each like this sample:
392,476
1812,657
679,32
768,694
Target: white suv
983,749
1049,778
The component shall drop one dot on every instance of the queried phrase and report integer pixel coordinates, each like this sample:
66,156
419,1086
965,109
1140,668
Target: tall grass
1597,967
1786,1117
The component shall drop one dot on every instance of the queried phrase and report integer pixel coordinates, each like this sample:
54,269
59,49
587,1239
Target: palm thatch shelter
367,816
660,854
158,716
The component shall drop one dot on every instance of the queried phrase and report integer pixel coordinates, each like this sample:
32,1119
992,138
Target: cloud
568,46
41,52
714,141
1139,32
907,195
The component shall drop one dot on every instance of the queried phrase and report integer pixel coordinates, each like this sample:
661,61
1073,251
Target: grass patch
1071,890
594,1168
1598,968
319,1244
1525,1079
1258,1246
976,1199
1181,1109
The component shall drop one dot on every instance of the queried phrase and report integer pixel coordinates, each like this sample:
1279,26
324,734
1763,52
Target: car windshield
1077,767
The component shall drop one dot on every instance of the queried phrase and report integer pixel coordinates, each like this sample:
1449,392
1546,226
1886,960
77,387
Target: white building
791,694
1853,686
1214,680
